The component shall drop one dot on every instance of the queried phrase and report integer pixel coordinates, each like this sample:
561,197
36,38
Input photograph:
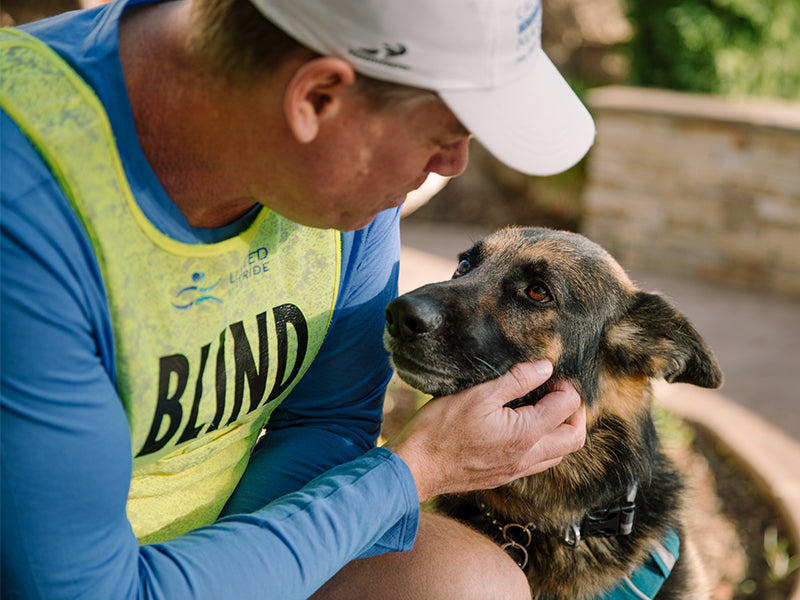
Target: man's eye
462,268
539,293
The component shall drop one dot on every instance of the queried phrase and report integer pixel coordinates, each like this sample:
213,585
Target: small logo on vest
196,294
255,265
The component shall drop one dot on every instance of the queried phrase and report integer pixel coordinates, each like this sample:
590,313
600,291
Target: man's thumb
523,378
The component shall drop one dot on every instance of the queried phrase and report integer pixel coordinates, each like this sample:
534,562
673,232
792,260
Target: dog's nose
407,317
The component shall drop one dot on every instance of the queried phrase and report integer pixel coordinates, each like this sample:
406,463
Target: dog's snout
407,317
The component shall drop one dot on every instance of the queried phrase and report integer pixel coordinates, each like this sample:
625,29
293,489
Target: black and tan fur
528,294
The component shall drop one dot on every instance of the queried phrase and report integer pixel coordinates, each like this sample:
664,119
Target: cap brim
536,125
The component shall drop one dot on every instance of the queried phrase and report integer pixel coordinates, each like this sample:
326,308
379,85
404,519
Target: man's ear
655,340
314,93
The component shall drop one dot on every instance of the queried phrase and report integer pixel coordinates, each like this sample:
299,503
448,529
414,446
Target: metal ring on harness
517,545
572,536
509,529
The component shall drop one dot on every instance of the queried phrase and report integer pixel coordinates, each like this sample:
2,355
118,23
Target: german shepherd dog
589,523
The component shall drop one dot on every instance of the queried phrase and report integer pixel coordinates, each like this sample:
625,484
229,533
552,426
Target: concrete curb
769,457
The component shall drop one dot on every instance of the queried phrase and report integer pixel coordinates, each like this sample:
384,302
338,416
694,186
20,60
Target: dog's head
528,294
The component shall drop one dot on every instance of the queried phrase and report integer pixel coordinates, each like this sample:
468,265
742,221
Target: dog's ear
652,338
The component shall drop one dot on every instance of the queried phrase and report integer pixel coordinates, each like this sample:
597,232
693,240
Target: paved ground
755,335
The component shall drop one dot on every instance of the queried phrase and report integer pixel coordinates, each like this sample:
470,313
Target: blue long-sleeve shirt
65,446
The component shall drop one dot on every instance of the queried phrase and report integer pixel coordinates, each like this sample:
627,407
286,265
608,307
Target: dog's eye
539,293
463,267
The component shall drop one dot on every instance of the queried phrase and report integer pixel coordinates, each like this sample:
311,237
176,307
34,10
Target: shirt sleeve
65,455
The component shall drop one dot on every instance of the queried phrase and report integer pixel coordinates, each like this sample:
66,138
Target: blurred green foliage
727,47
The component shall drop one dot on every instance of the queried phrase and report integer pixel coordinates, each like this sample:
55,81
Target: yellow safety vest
208,339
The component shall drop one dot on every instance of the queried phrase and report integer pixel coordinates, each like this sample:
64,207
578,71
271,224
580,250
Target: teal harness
618,519
645,582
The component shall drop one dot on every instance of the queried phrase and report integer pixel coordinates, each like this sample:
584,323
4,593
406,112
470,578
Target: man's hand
470,441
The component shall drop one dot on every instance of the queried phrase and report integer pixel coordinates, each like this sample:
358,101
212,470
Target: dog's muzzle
408,317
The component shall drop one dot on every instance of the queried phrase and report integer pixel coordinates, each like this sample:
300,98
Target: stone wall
697,185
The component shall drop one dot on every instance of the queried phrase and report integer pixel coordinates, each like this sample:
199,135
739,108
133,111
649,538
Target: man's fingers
541,466
518,381
470,440
530,376
557,427
578,419
554,408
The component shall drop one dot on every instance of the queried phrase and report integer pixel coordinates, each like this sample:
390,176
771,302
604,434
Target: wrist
415,465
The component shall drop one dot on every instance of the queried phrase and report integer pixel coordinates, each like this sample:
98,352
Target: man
175,176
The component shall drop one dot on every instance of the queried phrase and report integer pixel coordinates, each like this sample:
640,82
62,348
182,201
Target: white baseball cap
483,58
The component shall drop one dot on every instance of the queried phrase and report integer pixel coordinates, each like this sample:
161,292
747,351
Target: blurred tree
728,47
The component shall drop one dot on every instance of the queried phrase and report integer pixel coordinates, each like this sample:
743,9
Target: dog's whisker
492,369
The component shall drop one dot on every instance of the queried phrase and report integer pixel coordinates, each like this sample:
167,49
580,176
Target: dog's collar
610,521
606,521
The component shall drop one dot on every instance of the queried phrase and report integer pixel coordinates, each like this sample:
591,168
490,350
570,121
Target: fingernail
543,367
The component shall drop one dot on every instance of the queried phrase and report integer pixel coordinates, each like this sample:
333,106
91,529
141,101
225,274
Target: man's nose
450,161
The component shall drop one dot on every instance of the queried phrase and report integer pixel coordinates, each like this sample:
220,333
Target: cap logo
384,55
529,28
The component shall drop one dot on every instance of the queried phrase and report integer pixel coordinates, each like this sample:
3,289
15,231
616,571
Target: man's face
366,160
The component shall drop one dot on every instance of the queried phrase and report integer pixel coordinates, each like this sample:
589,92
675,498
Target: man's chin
355,222
398,201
